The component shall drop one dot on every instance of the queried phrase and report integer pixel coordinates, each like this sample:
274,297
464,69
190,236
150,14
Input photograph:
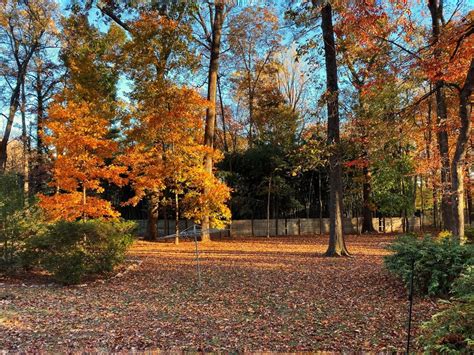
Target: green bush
11,195
19,221
17,229
452,330
437,262
73,251
469,235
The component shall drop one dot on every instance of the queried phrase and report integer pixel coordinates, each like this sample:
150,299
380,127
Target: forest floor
277,294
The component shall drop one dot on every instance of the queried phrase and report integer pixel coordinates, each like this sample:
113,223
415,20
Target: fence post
286,226
299,226
253,233
410,309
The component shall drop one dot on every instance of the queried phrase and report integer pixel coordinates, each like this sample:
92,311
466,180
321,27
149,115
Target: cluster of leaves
16,230
436,262
451,330
72,251
249,176
17,223
393,185
469,235
11,194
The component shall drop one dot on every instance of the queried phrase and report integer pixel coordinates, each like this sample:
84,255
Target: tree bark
469,202
436,10
14,103
435,208
457,167
224,126
336,245
25,142
211,96
38,169
268,205
153,206
320,203
15,99
367,224
176,227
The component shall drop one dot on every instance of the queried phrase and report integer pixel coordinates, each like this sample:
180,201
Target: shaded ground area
257,294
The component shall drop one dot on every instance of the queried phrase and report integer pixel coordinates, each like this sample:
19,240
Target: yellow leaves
166,151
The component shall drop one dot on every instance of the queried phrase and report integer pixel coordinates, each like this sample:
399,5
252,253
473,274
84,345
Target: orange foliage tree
165,147
166,150
80,150
79,128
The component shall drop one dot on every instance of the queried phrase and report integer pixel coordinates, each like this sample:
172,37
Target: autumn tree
337,245
366,55
276,117
162,32
444,62
45,78
80,148
293,80
80,121
448,64
436,10
254,41
216,13
165,150
167,125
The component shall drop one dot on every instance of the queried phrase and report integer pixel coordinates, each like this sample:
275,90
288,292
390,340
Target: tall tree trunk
15,100
320,198
429,139
268,205
14,103
38,170
152,212
436,10
435,208
211,96
25,142
224,126
84,201
443,146
176,226
337,245
457,167
251,109
469,201
367,224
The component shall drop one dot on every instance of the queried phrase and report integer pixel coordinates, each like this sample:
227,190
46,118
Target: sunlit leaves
81,152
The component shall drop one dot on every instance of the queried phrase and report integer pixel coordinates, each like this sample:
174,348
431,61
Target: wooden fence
296,226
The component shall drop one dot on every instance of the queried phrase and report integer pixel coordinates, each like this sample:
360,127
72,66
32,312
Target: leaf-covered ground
277,294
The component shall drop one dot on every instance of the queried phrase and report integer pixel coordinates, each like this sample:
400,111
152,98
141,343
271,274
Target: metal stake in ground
198,267
410,299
